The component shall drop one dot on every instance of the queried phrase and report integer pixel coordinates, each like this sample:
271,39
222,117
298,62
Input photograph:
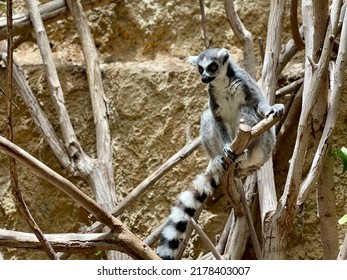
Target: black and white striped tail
188,202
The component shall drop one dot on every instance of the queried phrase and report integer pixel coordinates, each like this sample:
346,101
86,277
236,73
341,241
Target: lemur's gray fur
233,95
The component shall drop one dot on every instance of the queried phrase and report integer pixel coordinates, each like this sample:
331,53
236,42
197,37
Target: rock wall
154,97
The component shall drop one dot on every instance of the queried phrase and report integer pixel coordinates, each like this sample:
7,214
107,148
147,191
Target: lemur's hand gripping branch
244,137
236,194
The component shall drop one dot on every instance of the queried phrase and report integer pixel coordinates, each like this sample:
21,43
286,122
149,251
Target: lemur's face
210,63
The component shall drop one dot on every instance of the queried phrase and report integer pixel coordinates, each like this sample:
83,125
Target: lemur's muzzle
206,79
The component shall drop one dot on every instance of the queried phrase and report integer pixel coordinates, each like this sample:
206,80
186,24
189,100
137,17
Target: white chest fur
229,101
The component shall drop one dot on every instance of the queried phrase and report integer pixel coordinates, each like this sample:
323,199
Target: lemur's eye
200,69
213,67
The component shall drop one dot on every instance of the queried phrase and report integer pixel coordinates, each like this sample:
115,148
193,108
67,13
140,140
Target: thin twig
294,86
253,233
50,12
129,243
238,234
203,23
270,73
261,49
206,240
13,164
70,139
155,234
243,35
151,179
37,114
343,251
295,25
225,233
62,242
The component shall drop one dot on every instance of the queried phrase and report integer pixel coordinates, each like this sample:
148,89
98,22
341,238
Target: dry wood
206,240
343,251
293,87
37,114
295,25
129,243
50,12
275,234
238,234
269,76
325,185
290,122
225,233
10,136
104,193
62,242
289,50
244,137
328,212
151,179
155,234
203,23
249,220
261,49
70,139
337,78
270,73
243,35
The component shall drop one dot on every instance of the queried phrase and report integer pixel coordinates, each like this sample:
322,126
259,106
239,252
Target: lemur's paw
234,157
219,163
229,153
277,110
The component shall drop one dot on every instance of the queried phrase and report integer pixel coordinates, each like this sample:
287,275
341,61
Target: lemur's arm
257,100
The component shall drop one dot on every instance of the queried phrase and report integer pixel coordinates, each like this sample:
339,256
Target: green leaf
98,253
342,154
343,220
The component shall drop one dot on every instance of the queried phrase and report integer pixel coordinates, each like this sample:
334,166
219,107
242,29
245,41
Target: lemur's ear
193,60
224,54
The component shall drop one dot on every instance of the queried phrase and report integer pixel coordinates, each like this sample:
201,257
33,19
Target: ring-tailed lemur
233,95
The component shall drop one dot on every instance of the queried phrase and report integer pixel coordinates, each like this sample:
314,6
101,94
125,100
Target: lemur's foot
234,157
277,110
219,163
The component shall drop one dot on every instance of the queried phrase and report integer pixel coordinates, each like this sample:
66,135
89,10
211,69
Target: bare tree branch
295,25
243,35
37,114
337,78
107,191
269,76
13,164
206,240
62,242
343,251
279,225
294,86
70,139
151,179
203,23
129,243
51,11
288,52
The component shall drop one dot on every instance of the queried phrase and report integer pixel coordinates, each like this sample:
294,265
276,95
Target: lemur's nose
206,78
